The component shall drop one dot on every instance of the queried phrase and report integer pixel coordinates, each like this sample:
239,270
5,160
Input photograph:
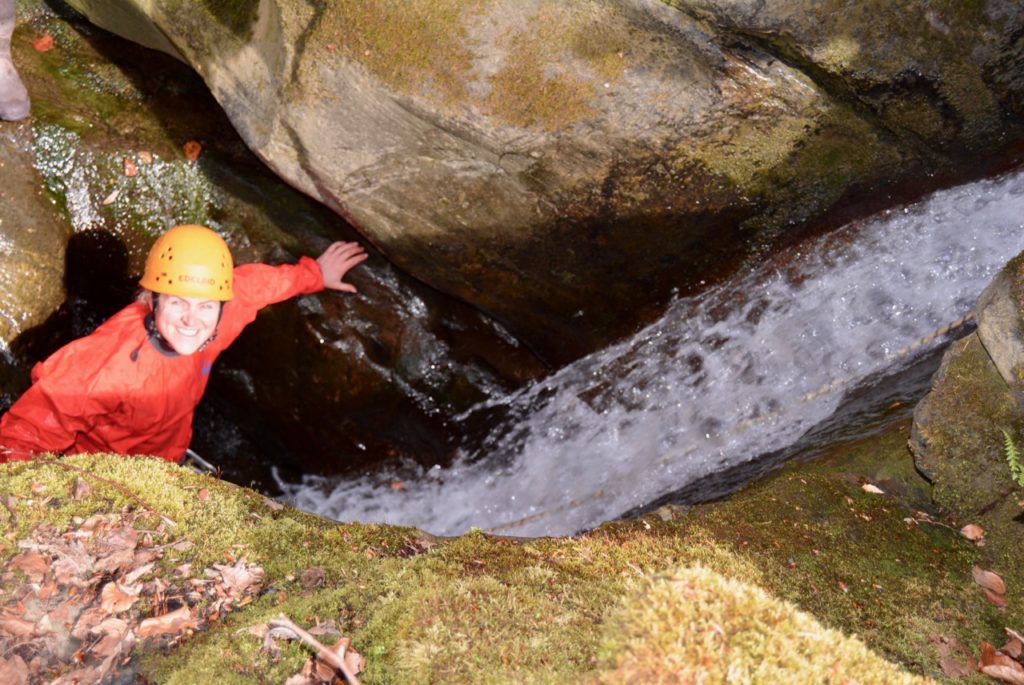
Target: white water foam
716,382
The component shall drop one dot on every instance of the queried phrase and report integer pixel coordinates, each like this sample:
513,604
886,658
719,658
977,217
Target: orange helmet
189,261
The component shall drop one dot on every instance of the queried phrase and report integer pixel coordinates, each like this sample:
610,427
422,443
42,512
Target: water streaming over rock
718,381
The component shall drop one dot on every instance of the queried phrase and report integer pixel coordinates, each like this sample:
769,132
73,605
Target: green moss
964,447
694,625
238,16
478,609
557,65
420,45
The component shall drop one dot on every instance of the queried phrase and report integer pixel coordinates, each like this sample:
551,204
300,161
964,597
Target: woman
132,385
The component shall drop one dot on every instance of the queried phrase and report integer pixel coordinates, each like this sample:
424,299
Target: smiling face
186,322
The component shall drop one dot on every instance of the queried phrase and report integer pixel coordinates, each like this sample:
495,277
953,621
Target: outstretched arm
337,260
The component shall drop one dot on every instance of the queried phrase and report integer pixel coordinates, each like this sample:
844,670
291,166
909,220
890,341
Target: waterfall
743,369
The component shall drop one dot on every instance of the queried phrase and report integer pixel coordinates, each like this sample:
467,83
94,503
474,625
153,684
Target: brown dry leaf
138,573
988,580
145,157
956,668
312,577
43,43
1008,674
115,597
32,564
995,598
17,627
355,661
46,590
73,565
174,622
83,489
117,638
972,532
129,167
238,578
1014,647
992,657
192,149
89,619
13,671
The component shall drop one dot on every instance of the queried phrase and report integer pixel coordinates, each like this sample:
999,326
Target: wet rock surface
564,166
101,168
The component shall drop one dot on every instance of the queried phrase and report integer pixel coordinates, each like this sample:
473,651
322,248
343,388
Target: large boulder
961,427
565,165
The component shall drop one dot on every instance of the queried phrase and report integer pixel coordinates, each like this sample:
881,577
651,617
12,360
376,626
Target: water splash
716,382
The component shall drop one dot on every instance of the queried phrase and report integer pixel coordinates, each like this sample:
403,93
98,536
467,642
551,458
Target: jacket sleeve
258,285
51,413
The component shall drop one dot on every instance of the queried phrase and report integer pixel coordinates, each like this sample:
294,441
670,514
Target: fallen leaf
117,638
192,150
312,577
138,573
990,656
108,200
1014,647
173,622
1008,674
988,580
868,487
145,157
239,577
43,43
115,597
998,599
83,489
17,627
129,166
89,619
37,488
397,485
13,671
956,668
73,564
972,532
204,494
32,564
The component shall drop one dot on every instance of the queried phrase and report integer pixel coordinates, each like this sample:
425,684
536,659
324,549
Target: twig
116,486
323,653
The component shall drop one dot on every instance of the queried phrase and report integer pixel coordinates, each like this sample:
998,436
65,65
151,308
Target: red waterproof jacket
115,390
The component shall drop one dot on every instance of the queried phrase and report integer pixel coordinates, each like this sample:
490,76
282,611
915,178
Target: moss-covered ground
743,586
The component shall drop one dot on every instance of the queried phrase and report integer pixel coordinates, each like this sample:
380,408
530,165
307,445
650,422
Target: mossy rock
958,440
962,426
695,625
807,547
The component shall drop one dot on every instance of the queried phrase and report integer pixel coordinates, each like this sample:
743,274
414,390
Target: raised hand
337,260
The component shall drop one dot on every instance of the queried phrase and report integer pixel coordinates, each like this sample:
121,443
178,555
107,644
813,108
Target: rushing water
742,370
